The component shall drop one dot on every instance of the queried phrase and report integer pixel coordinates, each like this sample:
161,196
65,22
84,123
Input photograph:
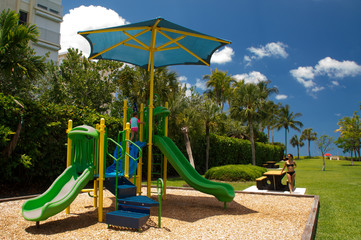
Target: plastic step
125,188
132,208
126,191
138,201
126,219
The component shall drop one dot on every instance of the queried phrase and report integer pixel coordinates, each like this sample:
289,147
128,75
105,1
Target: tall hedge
40,155
225,151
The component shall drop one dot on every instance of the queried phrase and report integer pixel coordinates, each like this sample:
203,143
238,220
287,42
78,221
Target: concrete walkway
254,189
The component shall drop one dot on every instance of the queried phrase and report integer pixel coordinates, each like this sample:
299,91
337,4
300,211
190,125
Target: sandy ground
186,214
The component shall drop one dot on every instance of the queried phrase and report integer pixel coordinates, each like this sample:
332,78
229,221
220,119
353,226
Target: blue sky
309,49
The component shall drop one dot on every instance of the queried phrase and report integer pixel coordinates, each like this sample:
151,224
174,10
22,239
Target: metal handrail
160,181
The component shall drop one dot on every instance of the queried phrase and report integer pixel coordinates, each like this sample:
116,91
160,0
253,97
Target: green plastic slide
222,191
59,195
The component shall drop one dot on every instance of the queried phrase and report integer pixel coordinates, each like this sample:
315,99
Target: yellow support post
68,154
101,167
126,157
125,109
96,181
151,106
140,163
165,160
95,191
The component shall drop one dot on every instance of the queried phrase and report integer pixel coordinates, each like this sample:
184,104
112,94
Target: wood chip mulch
186,214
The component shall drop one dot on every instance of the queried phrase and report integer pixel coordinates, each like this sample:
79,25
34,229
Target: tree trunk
253,148
285,141
188,146
207,148
324,164
298,152
14,140
309,152
273,136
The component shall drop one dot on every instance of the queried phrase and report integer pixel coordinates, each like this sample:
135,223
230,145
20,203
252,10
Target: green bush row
228,151
235,173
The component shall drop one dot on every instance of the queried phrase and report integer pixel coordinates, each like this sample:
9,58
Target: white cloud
335,83
325,67
182,79
188,91
252,77
201,84
273,49
281,97
317,89
304,75
337,69
222,56
85,18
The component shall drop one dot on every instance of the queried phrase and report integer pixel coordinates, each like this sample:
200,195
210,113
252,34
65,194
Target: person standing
134,121
291,174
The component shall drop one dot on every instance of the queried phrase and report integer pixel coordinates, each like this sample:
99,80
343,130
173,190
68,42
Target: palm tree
297,142
309,135
247,103
270,110
134,84
19,66
185,115
220,84
287,119
210,112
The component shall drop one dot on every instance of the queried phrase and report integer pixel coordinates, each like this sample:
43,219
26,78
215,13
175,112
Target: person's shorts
134,129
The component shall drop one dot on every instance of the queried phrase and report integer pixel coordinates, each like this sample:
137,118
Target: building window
54,11
23,18
43,7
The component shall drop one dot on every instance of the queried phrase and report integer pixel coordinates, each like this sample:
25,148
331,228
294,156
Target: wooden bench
261,182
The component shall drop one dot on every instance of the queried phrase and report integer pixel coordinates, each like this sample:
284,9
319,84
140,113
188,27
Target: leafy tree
309,135
220,84
133,84
350,132
80,82
19,66
287,119
247,103
297,142
323,143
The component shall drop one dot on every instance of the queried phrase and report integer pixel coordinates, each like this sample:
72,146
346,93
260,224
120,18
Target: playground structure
87,150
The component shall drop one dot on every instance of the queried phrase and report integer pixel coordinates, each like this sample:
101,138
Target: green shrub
235,172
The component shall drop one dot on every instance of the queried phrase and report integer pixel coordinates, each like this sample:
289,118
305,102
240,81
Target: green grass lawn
339,188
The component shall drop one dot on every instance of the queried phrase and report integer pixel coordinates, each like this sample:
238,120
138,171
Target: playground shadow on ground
70,222
194,208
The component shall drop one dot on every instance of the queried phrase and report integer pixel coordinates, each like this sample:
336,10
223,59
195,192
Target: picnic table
275,177
270,164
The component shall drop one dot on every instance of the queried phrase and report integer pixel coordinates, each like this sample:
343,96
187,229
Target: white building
47,15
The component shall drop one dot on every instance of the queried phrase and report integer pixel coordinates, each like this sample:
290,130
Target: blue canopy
173,44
